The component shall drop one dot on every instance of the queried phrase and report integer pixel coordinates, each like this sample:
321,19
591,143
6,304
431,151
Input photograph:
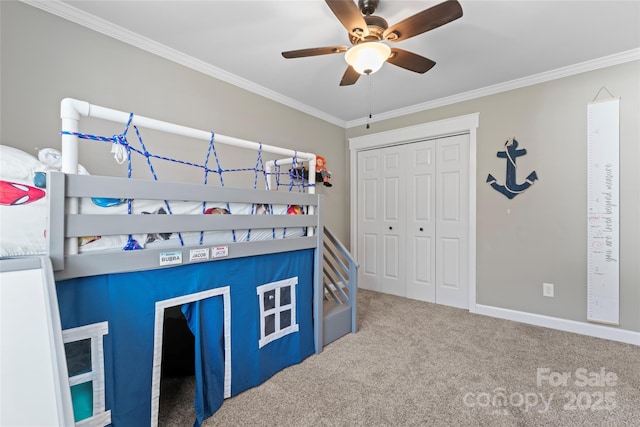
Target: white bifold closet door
381,223
413,222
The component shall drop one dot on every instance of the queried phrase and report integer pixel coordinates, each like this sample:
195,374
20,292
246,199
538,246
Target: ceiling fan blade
349,15
424,21
410,61
350,77
315,51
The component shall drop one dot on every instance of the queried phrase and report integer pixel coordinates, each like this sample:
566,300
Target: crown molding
571,70
92,22
75,15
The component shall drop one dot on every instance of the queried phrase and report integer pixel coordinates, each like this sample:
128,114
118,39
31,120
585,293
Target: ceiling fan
367,33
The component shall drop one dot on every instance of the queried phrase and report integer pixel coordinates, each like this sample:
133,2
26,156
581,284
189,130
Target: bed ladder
340,280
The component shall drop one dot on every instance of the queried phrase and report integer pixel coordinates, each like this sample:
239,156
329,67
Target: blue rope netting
296,180
295,175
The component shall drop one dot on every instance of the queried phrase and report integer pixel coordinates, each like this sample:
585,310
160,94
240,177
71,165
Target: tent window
277,310
285,319
78,357
82,399
285,295
269,324
85,362
270,300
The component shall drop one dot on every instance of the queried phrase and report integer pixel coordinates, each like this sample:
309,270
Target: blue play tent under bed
251,310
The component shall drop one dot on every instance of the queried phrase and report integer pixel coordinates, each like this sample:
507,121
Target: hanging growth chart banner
603,276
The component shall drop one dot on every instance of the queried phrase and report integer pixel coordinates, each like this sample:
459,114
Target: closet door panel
450,250
452,223
420,170
391,196
370,202
391,250
391,261
450,208
370,262
422,272
368,219
392,226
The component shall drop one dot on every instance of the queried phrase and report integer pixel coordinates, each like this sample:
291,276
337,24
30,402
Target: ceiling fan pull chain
370,95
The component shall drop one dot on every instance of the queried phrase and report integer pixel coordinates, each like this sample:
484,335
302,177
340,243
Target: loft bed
244,265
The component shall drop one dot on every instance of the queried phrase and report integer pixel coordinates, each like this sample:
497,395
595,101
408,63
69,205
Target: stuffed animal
262,209
321,169
294,210
216,211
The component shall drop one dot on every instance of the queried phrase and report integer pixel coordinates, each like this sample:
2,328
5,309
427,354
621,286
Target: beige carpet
416,363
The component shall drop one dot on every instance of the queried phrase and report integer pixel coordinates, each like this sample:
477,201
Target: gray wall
46,58
543,238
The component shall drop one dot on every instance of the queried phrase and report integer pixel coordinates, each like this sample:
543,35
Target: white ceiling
495,44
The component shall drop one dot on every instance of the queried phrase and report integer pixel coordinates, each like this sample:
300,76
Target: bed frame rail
64,188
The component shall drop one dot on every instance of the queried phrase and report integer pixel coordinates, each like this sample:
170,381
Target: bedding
23,204
24,212
162,240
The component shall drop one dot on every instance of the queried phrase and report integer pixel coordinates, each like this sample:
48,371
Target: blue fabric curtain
206,321
127,301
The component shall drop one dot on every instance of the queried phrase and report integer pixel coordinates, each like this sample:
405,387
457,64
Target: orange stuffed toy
322,172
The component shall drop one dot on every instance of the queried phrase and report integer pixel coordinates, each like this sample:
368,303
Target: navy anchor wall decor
511,188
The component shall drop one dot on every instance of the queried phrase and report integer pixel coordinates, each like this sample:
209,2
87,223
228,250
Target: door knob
390,228
421,229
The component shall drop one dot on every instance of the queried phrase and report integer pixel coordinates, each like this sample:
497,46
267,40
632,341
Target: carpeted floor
416,364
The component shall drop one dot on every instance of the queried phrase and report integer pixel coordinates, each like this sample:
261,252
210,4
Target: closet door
452,221
393,225
421,224
413,220
381,223
369,171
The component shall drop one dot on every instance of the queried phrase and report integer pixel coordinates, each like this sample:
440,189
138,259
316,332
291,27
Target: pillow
22,227
16,165
52,158
23,207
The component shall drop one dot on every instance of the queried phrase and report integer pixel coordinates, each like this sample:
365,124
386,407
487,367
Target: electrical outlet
547,290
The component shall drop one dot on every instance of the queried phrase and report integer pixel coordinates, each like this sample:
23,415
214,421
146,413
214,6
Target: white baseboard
593,330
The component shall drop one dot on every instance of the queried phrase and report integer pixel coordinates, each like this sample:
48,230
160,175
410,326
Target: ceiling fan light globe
367,58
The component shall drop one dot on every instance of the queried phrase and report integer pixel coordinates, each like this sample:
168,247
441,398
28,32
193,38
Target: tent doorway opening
177,384
178,345
208,313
